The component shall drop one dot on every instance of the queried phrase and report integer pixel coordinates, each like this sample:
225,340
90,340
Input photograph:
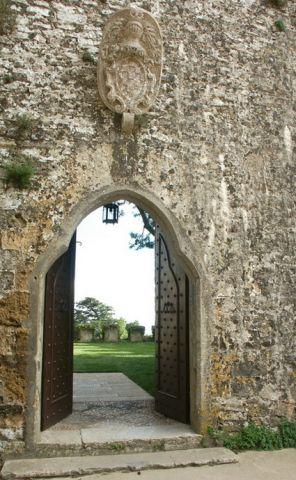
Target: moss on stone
280,25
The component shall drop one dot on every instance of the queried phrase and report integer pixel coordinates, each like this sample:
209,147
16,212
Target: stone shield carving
130,63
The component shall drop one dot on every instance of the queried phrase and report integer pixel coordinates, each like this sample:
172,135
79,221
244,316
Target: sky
107,269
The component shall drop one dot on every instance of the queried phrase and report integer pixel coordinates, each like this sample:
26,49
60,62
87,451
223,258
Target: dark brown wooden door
171,334
57,371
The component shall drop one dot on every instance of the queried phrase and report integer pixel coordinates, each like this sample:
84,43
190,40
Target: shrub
287,431
134,327
117,447
255,437
20,172
24,124
280,25
8,78
88,58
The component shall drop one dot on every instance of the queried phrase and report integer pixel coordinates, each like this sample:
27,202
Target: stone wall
136,335
86,334
111,334
216,150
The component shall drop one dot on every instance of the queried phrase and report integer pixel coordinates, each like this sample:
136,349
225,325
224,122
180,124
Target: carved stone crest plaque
130,63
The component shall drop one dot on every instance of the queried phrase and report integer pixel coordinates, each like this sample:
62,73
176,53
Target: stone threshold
134,462
115,431
113,441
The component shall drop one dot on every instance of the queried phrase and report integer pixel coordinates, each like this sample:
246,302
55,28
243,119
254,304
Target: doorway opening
182,250
114,314
111,394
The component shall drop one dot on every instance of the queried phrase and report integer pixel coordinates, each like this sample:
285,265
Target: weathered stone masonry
216,151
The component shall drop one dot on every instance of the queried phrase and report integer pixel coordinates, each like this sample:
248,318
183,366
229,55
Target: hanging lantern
111,213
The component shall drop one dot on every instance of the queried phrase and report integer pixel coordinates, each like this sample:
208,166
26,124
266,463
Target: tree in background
122,328
144,239
134,327
91,312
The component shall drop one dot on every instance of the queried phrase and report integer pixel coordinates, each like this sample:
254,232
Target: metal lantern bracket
110,213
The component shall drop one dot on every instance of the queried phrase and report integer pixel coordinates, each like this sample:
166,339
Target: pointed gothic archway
178,244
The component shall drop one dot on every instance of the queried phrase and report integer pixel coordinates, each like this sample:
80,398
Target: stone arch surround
181,246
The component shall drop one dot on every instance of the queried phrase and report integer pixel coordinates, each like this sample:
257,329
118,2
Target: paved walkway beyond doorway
94,387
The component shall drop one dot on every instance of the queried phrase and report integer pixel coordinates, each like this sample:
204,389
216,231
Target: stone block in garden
136,334
86,334
111,334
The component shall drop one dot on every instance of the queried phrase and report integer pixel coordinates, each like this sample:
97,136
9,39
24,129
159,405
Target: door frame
192,263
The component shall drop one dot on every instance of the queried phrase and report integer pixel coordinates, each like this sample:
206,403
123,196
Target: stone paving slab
90,387
276,465
120,432
65,466
61,437
106,414
117,432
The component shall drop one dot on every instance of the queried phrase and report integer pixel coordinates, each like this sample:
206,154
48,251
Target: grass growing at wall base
135,360
257,437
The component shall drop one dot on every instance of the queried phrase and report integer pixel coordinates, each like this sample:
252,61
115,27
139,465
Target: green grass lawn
135,360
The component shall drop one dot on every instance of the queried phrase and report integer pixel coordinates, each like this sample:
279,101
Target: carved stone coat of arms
130,63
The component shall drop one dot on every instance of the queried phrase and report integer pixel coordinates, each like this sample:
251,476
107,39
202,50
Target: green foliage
121,323
117,447
134,327
287,431
93,313
258,437
20,172
97,315
24,125
159,446
254,437
131,325
140,241
88,58
145,239
8,78
136,360
280,25
7,17
90,309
